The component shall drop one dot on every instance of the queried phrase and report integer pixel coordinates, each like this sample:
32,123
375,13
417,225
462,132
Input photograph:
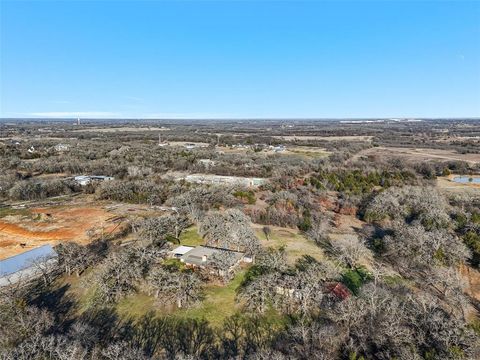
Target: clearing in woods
296,245
417,154
29,228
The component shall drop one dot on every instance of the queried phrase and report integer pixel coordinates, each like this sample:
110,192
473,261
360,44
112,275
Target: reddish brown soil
17,231
51,226
472,277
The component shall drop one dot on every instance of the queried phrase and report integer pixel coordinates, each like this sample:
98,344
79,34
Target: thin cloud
186,116
69,114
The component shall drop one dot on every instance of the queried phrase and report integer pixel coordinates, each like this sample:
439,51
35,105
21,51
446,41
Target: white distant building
279,148
207,162
226,180
190,146
84,180
61,147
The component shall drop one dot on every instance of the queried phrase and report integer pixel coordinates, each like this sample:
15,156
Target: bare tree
411,248
350,250
231,230
222,262
122,351
182,288
267,231
73,257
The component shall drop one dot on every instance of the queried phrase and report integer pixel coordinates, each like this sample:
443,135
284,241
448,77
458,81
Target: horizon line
392,118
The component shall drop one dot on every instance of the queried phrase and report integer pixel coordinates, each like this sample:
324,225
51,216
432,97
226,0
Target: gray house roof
201,255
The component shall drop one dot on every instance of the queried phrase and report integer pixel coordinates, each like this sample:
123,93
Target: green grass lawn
218,304
190,237
295,243
310,154
136,305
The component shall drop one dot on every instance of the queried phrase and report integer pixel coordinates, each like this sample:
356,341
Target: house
178,252
208,257
23,266
84,180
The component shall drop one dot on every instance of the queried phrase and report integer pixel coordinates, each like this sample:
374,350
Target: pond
466,179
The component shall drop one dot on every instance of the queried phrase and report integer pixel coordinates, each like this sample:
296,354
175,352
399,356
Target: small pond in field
466,179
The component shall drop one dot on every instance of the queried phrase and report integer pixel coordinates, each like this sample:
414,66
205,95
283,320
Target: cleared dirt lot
418,154
38,226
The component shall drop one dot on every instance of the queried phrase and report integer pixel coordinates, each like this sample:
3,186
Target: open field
38,226
184,143
325,138
120,129
307,151
218,303
418,154
296,245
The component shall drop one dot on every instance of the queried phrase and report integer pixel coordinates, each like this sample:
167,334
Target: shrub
354,279
472,240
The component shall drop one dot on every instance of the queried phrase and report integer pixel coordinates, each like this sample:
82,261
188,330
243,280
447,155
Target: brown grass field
418,154
325,138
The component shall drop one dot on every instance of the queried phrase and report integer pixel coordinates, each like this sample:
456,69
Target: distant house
279,148
84,180
22,266
190,146
61,147
206,162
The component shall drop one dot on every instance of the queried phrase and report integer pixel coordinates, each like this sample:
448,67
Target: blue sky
219,59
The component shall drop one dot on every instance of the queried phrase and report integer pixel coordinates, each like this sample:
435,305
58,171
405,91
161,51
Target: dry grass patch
296,244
